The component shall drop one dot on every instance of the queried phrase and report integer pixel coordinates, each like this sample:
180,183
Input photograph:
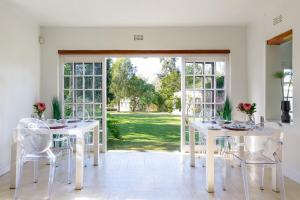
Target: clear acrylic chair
62,143
261,149
35,139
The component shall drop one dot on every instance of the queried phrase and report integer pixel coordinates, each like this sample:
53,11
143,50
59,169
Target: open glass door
83,91
203,88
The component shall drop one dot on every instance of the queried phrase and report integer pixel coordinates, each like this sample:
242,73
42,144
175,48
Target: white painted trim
183,107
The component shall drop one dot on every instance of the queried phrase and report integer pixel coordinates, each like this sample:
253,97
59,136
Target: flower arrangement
39,108
247,108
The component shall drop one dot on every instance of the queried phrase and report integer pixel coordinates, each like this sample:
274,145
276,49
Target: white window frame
87,59
193,59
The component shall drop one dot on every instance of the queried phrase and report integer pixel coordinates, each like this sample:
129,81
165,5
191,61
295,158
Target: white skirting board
291,173
4,169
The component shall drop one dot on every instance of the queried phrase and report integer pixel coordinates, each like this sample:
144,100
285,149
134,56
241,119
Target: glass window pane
199,68
98,96
68,68
288,75
88,82
189,68
189,82
89,111
208,112
198,82
78,96
68,96
220,96
88,68
98,68
198,97
198,110
98,82
78,82
220,82
88,95
78,112
190,109
208,82
219,110
208,96
98,110
220,68
78,69
208,69
67,82
68,110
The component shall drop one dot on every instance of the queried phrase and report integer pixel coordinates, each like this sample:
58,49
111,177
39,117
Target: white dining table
211,135
78,130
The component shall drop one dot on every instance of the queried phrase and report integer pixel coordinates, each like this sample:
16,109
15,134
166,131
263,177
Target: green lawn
146,131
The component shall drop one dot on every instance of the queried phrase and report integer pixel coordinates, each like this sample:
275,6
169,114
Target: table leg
210,164
192,145
79,161
96,145
13,162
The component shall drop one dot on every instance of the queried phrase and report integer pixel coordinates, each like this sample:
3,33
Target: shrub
56,108
112,126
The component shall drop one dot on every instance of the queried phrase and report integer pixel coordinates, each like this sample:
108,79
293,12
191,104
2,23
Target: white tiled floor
143,176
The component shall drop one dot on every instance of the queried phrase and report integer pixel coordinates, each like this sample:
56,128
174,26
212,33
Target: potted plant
227,109
285,103
56,108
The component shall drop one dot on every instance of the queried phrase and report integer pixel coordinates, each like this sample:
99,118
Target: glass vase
251,120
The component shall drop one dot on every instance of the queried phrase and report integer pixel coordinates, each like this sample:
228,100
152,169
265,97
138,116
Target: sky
148,67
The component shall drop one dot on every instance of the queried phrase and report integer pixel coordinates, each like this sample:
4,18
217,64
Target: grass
146,131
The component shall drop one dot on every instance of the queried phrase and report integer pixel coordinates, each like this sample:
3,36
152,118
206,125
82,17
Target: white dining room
236,122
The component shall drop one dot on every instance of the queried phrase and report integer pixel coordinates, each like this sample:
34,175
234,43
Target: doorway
144,103
203,88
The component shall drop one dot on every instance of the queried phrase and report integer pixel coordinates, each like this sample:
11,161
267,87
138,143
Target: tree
148,97
122,73
168,66
169,85
110,94
140,93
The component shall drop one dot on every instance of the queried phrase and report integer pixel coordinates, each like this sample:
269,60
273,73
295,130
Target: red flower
247,106
41,106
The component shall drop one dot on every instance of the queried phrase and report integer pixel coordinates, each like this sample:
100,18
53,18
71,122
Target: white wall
20,74
258,32
233,38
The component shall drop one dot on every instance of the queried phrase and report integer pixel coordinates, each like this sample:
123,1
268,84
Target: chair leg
281,181
224,172
51,178
19,179
262,176
35,171
245,180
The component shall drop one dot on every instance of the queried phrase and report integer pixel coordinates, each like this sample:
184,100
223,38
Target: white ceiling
115,13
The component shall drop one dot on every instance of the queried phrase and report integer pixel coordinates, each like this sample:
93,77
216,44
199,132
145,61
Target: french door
203,91
83,91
